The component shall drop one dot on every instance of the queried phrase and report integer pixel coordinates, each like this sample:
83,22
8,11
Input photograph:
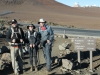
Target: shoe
21,71
31,69
17,73
49,69
36,69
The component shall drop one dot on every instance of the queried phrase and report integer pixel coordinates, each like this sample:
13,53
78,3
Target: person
32,40
15,37
47,37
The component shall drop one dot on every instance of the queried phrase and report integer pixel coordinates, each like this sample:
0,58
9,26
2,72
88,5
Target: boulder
61,47
64,44
67,51
1,65
67,64
6,58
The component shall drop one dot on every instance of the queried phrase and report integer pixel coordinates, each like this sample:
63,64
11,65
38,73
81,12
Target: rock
68,51
61,54
67,64
87,74
72,40
64,44
55,36
68,45
56,60
63,69
60,36
1,65
65,52
77,71
61,47
6,58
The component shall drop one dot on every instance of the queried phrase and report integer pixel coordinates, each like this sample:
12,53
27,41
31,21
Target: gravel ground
56,67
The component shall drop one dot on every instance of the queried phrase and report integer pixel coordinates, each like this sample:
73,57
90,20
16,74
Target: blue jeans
47,54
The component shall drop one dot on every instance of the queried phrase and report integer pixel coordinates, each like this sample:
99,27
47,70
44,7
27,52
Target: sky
80,2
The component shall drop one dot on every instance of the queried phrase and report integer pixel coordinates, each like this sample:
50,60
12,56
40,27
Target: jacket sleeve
51,37
22,34
8,36
26,39
37,39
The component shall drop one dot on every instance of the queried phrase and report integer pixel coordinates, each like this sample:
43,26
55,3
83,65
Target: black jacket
20,35
33,39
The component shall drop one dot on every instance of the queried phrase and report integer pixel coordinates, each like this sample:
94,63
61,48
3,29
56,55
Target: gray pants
16,57
33,56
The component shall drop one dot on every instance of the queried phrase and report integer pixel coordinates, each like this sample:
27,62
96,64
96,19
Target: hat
31,25
41,20
14,21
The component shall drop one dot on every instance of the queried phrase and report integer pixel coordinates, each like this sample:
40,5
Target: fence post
64,35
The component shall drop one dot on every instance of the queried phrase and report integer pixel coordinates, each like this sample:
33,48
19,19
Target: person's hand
21,40
13,40
33,45
30,45
48,41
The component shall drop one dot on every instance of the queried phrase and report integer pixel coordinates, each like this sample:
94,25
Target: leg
48,56
14,54
31,58
35,60
44,52
20,59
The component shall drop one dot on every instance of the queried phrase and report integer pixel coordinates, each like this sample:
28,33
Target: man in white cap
47,37
15,37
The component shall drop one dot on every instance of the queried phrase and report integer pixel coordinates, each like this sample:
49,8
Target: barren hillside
51,11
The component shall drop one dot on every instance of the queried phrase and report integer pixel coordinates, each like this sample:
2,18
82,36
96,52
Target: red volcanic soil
51,11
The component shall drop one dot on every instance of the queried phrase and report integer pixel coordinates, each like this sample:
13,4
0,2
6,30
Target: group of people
16,38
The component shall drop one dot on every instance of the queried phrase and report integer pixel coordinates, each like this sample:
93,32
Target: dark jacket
33,39
20,35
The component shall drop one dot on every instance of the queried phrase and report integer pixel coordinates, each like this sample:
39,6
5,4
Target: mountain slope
51,11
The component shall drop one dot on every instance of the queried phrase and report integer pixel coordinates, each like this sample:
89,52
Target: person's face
41,24
14,24
30,28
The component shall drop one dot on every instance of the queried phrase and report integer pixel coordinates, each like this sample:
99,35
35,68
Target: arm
38,37
22,34
51,37
26,38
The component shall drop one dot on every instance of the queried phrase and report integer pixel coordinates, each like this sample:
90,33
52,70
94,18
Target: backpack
12,32
31,35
